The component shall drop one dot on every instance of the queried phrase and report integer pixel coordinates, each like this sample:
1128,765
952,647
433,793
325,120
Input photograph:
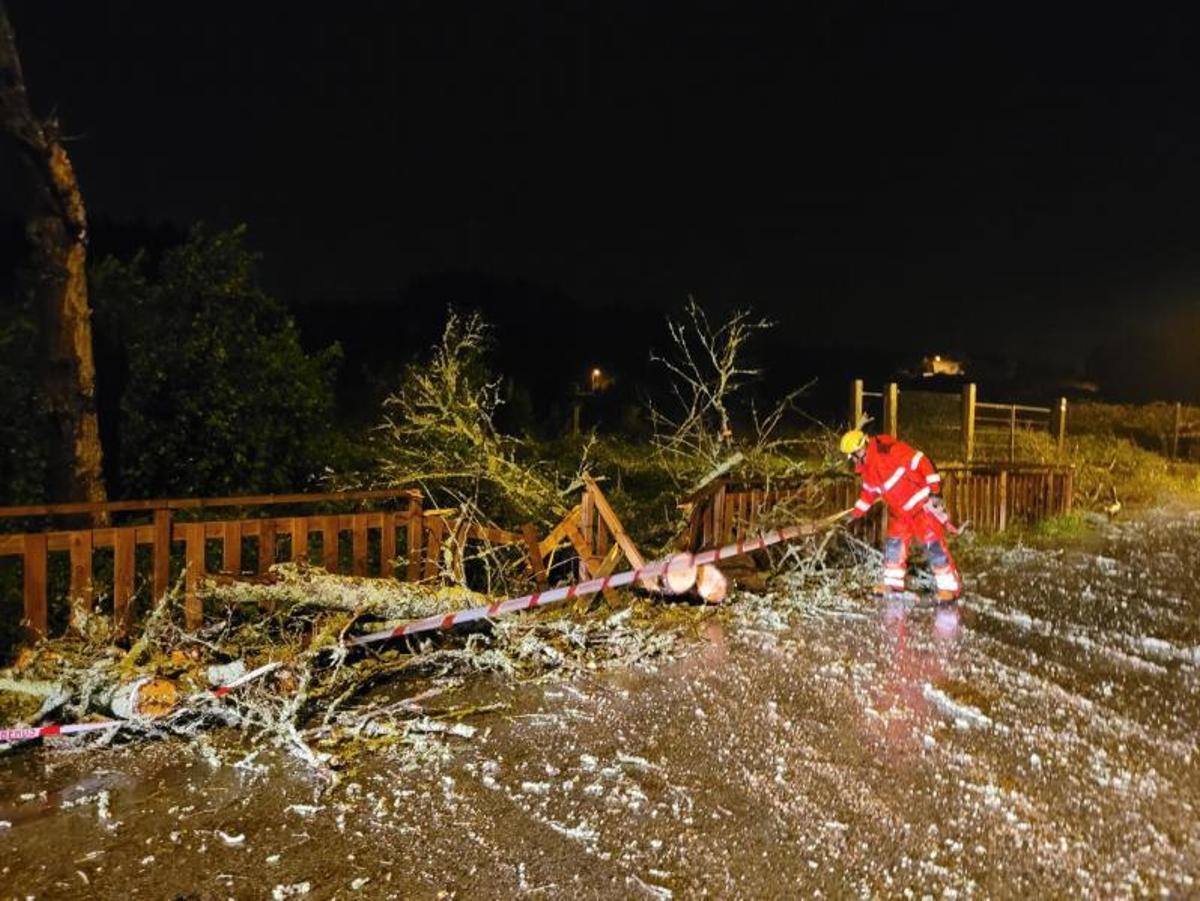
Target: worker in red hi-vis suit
907,481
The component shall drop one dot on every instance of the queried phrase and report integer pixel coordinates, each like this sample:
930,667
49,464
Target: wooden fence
993,497
725,511
409,539
989,498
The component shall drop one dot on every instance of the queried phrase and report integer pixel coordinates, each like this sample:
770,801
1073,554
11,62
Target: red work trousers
921,527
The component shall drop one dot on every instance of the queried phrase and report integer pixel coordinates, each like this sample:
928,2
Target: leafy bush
1113,472
932,421
23,426
1150,426
217,396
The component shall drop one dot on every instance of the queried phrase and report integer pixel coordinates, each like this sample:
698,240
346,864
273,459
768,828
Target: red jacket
903,477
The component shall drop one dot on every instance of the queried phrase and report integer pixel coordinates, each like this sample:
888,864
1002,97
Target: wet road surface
1043,742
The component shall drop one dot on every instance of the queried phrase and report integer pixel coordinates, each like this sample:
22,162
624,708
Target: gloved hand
936,505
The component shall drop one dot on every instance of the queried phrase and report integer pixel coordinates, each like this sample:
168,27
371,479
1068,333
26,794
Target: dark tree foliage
23,425
216,394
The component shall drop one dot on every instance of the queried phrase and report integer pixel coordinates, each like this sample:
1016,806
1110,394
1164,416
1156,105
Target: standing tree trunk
56,229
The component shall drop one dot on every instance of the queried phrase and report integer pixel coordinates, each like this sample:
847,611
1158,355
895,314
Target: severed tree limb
33,687
295,587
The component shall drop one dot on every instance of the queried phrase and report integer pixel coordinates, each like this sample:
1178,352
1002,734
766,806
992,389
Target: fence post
1175,432
266,545
330,540
532,547
124,573
416,532
231,547
856,403
1012,434
891,409
162,555
34,572
387,546
587,519
968,422
299,539
193,608
1002,517
358,543
81,591
718,518
1060,432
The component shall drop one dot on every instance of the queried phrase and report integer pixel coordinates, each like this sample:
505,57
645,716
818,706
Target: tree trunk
56,229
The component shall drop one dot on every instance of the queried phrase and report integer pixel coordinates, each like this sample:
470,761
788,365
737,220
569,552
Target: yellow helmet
853,440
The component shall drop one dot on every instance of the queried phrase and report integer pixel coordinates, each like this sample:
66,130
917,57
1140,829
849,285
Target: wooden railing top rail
249,500
1020,408
984,466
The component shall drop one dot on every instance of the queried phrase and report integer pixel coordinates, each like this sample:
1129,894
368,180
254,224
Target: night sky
978,178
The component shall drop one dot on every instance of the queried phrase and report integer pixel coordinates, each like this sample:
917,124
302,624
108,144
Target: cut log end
711,584
679,577
144,697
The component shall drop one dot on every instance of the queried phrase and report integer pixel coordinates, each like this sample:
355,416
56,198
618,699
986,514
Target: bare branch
707,374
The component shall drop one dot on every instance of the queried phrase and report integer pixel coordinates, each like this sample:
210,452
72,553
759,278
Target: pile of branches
324,701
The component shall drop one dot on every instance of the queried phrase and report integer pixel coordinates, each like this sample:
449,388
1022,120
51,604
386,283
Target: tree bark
56,284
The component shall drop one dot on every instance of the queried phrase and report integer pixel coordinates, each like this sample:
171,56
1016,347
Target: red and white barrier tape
21,733
594,586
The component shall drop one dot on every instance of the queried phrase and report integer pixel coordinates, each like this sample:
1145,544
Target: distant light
937,359
595,373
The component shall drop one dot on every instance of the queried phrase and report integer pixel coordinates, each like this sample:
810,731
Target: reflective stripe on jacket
902,477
